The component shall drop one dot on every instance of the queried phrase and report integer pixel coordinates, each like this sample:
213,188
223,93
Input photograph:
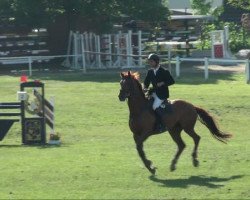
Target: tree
243,4
32,13
100,13
201,7
149,11
61,16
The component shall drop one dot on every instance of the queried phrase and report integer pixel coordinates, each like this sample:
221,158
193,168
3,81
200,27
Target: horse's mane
134,75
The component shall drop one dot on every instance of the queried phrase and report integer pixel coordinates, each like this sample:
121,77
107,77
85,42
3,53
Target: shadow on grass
44,146
114,76
210,182
70,76
11,146
189,77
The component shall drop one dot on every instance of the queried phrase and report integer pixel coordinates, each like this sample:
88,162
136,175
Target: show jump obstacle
33,115
220,43
104,51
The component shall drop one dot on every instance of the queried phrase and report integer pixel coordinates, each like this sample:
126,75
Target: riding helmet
154,57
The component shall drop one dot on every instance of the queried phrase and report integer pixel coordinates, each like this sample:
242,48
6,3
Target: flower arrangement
54,138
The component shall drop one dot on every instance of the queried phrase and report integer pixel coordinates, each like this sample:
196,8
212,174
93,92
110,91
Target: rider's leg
158,113
157,101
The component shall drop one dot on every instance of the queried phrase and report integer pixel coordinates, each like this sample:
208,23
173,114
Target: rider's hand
145,90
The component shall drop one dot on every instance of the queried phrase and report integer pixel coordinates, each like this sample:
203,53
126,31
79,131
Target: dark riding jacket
162,75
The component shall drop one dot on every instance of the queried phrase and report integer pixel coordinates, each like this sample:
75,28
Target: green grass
98,159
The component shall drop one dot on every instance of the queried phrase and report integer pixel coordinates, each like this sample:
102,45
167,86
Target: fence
177,60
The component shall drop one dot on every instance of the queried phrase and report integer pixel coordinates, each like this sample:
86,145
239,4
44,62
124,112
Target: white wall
179,4
182,4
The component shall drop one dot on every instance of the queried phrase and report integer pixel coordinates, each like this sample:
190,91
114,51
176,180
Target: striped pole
49,114
49,111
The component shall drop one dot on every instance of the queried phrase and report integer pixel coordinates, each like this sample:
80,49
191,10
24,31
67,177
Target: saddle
166,106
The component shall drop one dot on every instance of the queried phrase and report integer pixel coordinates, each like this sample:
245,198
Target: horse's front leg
139,146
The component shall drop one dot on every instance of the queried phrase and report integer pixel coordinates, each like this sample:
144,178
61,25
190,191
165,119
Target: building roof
190,17
185,11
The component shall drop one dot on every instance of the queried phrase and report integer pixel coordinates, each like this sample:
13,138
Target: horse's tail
206,119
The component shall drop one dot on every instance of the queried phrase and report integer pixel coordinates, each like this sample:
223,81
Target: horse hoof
172,168
196,163
153,170
151,167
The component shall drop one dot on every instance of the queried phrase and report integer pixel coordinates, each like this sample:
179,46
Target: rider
160,78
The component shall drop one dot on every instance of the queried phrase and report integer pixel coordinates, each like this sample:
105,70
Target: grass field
97,158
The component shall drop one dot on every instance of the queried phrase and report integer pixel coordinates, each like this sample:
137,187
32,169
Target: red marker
23,79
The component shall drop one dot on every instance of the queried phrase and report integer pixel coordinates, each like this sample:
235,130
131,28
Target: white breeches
157,101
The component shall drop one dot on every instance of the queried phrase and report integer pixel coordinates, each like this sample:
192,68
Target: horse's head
128,83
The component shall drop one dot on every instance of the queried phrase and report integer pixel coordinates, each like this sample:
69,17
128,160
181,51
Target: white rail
29,60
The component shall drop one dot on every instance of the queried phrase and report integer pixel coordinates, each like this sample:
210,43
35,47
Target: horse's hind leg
139,146
176,136
196,139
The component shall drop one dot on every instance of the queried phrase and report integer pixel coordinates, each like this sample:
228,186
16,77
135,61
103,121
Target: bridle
126,92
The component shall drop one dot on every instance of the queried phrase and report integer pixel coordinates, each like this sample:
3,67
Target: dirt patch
194,67
223,69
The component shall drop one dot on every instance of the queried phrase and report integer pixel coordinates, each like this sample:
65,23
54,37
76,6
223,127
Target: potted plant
54,138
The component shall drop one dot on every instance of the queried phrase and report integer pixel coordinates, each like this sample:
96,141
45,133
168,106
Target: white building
185,5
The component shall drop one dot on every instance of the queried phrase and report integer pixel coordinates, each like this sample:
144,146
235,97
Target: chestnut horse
183,117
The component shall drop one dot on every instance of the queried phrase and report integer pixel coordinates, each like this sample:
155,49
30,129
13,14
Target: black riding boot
159,127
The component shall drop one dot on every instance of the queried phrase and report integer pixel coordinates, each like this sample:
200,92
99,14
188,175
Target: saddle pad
167,107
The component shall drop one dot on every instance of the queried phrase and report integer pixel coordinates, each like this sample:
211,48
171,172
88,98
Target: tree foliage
244,4
201,7
102,13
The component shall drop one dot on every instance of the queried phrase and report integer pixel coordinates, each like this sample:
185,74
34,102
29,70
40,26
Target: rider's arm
168,80
147,81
